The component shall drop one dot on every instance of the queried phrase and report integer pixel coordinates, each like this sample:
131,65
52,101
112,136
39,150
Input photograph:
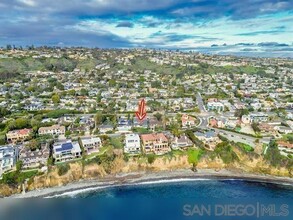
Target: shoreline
125,179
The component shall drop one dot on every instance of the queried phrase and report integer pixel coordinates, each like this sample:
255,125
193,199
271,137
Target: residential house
258,117
18,135
215,106
91,144
209,138
154,123
155,143
181,142
132,144
188,121
33,159
66,150
124,125
284,130
34,107
52,130
107,127
8,157
245,119
266,128
140,123
285,147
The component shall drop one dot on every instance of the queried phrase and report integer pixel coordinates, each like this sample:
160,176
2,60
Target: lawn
245,147
116,142
101,152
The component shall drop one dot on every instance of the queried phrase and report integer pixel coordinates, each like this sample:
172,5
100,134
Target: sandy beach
149,177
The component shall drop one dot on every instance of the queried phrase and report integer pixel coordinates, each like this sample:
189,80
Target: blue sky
242,27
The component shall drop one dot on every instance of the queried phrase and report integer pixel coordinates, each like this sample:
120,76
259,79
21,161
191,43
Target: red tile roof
153,137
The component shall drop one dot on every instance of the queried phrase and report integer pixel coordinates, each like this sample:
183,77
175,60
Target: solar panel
65,146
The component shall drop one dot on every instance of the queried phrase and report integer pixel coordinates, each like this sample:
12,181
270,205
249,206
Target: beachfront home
8,157
181,142
285,148
66,150
209,138
132,144
18,135
91,144
36,158
155,143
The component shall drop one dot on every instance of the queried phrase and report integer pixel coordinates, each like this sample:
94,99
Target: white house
284,129
217,106
8,156
67,150
132,143
258,117
91,144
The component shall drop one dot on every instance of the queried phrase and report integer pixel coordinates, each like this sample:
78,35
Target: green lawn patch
245,147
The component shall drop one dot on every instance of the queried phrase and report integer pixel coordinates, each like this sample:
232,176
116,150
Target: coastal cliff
253,164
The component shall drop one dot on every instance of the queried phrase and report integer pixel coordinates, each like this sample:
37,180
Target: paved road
232,136
204,116
242,138
200,103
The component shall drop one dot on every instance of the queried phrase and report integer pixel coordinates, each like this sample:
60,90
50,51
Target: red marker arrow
141,113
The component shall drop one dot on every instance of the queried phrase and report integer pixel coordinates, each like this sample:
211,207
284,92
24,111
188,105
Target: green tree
151,158
56,98
72,92
112,82
63,169
99,118
20,123
158,116
255,127
59,86
83,92
273,155
34,144
240,112
193,157
19,165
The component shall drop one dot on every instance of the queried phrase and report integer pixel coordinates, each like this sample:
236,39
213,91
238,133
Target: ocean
162,199
189,188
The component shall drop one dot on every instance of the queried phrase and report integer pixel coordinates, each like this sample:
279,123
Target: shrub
151,158
225,151
63,169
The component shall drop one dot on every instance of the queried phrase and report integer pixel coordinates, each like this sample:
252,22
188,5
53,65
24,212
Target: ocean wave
78,191
74,193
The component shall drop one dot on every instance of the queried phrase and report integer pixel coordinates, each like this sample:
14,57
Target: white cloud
30,3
